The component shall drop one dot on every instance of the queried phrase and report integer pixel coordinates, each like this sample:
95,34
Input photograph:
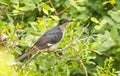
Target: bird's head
64,21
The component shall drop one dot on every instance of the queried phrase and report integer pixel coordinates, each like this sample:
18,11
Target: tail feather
22,57
32,50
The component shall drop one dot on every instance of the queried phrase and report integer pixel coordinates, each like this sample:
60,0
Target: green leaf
109,21
114,33
73,3
45,11
97,27
94,20
37,1
115,15
80,0
112,2
105,42
10,18
101,24
16,12
45,6
55,17
17,50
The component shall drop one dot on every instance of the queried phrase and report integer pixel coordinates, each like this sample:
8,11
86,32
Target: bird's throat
63,28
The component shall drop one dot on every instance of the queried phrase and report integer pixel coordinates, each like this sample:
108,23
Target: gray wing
52,36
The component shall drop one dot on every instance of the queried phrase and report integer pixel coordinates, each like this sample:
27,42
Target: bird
48,39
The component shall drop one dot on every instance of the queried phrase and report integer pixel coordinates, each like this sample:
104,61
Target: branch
74,41
61,12
29,60
77,59
56,13
86,73
58,50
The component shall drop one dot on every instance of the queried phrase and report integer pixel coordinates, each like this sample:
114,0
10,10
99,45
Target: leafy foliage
23,21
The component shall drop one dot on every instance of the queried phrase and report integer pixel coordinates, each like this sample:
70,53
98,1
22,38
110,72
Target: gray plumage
48,39
52,36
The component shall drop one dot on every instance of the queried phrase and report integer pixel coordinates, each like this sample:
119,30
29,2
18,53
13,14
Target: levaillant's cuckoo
48,39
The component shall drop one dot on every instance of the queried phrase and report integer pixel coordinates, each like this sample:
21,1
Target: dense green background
97,49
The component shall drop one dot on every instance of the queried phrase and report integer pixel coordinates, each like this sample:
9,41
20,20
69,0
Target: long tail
22,57
31,50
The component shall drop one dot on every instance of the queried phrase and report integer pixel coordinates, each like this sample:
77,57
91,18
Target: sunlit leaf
45,11
55,17
112,1
115,15
94,20
114,33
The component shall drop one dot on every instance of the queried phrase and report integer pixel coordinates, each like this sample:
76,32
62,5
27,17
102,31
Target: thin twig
77,59
56,13
72,43
86,73
29,60
61,12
